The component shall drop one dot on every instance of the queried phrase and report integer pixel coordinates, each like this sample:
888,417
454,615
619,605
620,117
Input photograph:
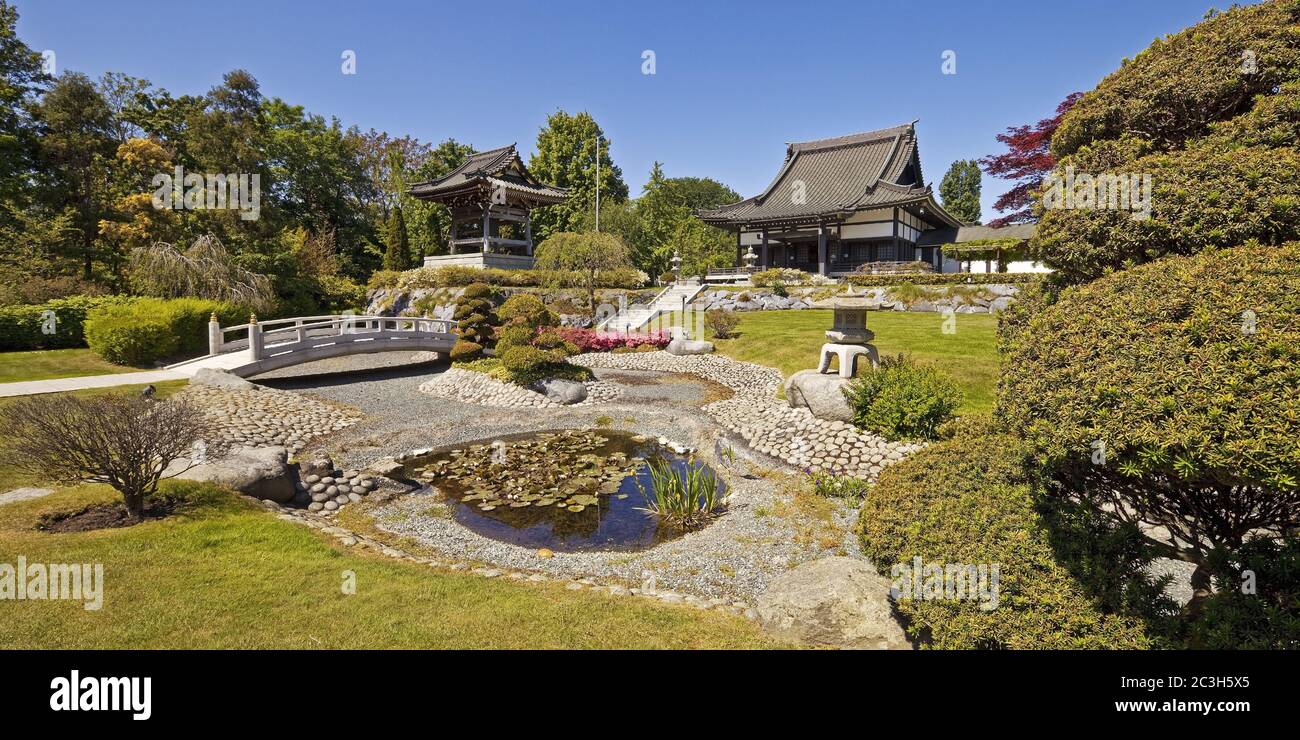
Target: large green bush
24,327
971,501
902,400
1211,114
1170,393
143,330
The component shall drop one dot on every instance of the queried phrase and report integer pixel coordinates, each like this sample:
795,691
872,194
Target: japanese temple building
490,196
847,204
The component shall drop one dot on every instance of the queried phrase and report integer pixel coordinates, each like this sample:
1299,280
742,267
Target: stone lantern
849,335
750,258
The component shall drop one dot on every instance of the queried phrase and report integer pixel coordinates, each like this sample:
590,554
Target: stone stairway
636,316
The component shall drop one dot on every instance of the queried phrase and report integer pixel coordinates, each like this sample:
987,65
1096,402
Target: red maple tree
1028,160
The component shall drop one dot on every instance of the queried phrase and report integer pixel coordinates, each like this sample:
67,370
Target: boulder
560,390
689,347
387,467
820,393
262,472
836,602
218,378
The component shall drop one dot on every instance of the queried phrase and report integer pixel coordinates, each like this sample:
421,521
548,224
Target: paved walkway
60,385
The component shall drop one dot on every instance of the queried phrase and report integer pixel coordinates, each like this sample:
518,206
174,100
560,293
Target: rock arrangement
768,425
991,297
265,417
325,489
471,386
758,300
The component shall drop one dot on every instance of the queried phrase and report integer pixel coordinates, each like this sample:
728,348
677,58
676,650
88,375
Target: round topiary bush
902,400
528,310
1169,393
971,502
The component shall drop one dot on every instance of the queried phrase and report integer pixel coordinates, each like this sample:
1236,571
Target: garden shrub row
948,278
142,330
27,327
453,276
972,501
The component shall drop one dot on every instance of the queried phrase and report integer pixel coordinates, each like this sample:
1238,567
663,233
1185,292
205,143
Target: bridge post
254,338
214,335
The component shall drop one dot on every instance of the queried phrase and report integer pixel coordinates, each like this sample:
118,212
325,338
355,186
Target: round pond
568,491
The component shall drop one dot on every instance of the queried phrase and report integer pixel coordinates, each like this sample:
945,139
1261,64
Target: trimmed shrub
463,351
950,278
1210,114
972,502
23,327
550,339
129,338
143,330
526,363
527,310
1167,392
474,318
902,400
453,276
514,335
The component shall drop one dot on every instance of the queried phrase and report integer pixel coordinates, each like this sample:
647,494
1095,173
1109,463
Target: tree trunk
134,505
1202,589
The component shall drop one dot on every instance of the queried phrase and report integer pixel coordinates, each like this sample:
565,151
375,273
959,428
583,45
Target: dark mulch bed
105,516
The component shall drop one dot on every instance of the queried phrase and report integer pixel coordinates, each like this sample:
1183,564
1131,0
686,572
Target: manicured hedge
972,501
452,276
949,278
22,327
143,330
1171,386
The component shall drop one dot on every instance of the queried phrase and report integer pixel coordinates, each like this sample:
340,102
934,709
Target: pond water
568,491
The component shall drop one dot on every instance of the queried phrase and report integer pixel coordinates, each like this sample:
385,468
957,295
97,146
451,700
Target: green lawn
54,363
229,574
790,340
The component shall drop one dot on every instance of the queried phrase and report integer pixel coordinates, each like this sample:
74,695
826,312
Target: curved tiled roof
836,176
492,168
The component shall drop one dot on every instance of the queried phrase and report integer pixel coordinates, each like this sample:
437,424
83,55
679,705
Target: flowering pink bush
590,340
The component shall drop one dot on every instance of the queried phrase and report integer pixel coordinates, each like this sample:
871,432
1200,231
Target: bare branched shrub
123,440
205,270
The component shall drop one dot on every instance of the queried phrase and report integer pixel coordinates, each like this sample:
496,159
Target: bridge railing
282,334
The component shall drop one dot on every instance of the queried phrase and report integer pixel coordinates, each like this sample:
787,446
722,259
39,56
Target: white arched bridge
262,346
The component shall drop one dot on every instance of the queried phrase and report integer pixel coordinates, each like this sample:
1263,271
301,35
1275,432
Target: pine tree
397,252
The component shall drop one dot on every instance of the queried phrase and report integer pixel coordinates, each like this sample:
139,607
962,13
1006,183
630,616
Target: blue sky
733,81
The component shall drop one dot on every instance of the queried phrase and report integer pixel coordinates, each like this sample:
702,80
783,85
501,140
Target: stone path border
768,425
